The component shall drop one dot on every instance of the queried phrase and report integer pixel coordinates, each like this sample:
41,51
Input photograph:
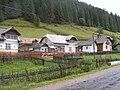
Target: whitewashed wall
44,49
73,49
90,48
14,46
109,47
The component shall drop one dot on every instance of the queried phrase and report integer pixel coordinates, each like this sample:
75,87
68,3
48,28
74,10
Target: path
108,79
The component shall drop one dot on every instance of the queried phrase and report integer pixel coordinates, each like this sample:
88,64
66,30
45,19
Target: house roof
3,31
100,38
39,45
36,45
59,38
84,43
97,39
24,40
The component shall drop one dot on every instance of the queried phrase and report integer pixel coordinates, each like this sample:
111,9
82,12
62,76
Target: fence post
61,73
43,62
27,74
3,58
96,63
2,81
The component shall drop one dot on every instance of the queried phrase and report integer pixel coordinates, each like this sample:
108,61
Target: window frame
8,46
9,36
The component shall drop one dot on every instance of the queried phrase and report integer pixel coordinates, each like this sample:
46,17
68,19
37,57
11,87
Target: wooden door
99,47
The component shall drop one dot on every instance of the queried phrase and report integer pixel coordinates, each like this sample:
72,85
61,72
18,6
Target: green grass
27,29
104,56
30,86
20,66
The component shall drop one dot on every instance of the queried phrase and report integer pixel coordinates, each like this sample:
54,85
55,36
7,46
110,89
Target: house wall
14,46
44,49
107,47
70,48
89,49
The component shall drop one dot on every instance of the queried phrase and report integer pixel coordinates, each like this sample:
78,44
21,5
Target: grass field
20,66
27,29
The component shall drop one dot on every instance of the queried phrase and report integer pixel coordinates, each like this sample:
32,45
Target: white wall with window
70,48
89,49
107,47
44,49
6,46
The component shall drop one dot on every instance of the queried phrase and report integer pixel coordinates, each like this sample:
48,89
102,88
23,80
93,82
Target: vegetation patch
27,29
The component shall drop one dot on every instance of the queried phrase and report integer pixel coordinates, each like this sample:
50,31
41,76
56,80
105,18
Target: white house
104,43
9,40
57,43
86,46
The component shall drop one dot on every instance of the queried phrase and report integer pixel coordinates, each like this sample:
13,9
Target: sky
109,5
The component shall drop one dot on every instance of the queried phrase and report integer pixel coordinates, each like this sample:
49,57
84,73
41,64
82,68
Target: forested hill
59,11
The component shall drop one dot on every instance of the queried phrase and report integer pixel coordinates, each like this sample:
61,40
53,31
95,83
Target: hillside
27,29
60,12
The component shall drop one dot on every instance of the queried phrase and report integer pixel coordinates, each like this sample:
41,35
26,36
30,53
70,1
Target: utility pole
93,46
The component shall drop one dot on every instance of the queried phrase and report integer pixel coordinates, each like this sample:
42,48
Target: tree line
59,11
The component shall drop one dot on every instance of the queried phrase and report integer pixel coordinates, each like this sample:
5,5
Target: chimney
99,35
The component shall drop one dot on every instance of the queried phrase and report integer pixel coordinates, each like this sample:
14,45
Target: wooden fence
66,67
68,64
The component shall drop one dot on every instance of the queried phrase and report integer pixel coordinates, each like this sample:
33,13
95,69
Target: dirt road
108,79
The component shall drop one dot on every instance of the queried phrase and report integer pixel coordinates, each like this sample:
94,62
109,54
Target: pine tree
28,10
14,9
59,11
36,21
1,14
50,6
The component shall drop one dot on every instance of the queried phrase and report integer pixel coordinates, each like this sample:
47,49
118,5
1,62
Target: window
87,47
8,36
106,47
70,48
8,46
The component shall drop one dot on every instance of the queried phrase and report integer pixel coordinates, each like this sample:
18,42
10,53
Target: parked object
114,63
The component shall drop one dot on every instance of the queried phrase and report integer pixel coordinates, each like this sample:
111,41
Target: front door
99,47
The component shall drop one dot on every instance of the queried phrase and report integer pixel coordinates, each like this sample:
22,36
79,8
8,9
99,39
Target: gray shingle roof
84,43
100,39
36,45
39,45
59,38
2,31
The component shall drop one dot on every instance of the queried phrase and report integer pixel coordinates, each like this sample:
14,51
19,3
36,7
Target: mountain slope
59,11
27,29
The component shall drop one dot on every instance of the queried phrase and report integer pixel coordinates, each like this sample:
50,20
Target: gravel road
108,79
